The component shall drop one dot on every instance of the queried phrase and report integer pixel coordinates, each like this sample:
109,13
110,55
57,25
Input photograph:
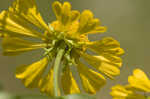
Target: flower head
69,31
138,82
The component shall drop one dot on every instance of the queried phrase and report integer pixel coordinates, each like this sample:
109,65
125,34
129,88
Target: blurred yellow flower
138,82
71,29
123,92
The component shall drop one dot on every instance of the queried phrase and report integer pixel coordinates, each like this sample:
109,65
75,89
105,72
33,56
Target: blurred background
128,21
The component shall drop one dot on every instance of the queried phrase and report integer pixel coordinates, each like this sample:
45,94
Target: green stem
56,70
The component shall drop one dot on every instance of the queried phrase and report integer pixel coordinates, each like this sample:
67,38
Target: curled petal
68,79
14,45
139,80
92,81
31,75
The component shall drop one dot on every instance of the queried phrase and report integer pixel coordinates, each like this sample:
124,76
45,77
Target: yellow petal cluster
91,80
15,45
23,29
108,60
138,82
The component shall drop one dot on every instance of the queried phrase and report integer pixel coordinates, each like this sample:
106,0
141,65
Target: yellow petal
14,45
102,64
46,84
66,12
98,29
139,80
92,81
88,24
86,16
31,75
68,82
62,12
74,15
120,92
57,8
27,9
108,48
13,24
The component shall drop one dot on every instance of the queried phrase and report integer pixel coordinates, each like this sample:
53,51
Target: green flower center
61,40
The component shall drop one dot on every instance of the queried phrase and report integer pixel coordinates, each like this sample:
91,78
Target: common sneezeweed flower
138,82
64,39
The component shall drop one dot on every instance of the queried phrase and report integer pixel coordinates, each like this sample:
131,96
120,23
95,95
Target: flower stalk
56,70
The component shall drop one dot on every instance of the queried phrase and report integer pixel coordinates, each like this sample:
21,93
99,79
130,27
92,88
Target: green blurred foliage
4,95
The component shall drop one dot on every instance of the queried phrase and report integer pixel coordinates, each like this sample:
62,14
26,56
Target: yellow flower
138,82
122,92
71,29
